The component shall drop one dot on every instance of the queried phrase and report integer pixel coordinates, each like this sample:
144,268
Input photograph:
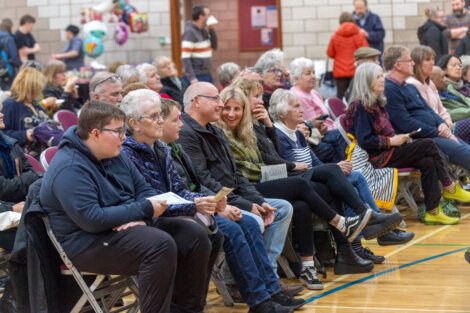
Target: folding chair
216,278
107,291
407,177
47,155
335,107
37,166
65,118
339,121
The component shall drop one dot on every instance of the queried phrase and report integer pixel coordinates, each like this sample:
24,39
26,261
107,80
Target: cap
365,53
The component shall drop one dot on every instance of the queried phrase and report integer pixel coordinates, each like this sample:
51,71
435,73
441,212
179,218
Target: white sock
341,224
306,264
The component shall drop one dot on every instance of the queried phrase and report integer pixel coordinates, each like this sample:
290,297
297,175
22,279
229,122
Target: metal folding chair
105,290
335,107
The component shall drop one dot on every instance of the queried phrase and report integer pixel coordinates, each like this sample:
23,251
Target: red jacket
344,42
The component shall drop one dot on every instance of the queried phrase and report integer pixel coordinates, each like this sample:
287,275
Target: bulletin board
260,25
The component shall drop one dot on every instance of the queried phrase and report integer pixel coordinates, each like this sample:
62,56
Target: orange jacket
344,42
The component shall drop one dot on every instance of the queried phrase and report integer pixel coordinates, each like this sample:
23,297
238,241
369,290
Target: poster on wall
258,16
271,16
266,36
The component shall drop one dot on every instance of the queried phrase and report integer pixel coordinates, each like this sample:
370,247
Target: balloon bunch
123,14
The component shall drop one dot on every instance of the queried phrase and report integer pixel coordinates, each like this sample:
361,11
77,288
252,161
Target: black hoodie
434,35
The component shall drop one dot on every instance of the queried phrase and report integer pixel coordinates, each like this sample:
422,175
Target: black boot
366,253
348,262
380,224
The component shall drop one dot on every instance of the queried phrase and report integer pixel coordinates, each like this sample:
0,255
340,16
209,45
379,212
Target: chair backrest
335,107
66,118
47,155
37,167
340,124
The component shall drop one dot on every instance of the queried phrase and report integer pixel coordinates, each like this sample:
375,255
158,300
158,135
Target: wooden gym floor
428,274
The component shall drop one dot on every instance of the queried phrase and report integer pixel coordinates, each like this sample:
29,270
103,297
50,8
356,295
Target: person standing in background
73,53
370,24
434,33
458,23
9,58
27,45
199,40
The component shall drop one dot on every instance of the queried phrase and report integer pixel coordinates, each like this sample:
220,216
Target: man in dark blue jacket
409,112
98,207
370,24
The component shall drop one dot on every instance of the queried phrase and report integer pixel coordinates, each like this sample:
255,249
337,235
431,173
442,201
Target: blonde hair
248,86
244,131
28,85
53,68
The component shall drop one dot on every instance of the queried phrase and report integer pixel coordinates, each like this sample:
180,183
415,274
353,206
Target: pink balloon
121,33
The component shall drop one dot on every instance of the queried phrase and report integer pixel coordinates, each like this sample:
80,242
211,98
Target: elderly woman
329,145
227,72
172,84
244,248
60,88
153,159
148,75
423,57
22,112
128,74
368,120
273,72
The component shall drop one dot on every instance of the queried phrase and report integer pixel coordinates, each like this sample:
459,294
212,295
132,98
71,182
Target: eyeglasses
275,71
214,98
453,64
154,117
120,131
112,78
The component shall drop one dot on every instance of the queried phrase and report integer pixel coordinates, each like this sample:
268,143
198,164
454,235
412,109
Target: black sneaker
367,254
309,278
467,255
354,225
287,301
269,306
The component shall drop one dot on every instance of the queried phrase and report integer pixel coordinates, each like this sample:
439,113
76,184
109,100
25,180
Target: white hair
298,66
143,69
364,78
126,72
132,106
269,59
227,72
279,103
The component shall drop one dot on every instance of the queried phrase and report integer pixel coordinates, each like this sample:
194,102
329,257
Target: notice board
260,25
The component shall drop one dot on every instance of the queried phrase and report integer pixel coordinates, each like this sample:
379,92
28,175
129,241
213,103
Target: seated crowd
265,135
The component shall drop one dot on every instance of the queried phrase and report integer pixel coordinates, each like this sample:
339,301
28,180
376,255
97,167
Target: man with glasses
409,112
107,87
99,208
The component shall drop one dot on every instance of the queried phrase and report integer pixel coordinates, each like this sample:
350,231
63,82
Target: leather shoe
367,254
348,262
395,237
269,306
380,224
291,289
288,301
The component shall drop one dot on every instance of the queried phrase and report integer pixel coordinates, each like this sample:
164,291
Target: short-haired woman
368,120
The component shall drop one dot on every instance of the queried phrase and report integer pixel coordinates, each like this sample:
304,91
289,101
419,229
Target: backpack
6,70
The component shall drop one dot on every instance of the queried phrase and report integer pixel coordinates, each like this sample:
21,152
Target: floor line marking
383,309
401,248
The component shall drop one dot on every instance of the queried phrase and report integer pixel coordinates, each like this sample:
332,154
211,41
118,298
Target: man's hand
364,32
129,225
444,131
159,207
18,208
232,213
267,214
346,167
206,205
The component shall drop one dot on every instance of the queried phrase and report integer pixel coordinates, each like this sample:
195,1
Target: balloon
95,28
119,6
126,13
104,6
93,46
121,33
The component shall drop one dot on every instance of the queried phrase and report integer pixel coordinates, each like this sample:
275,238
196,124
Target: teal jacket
456,104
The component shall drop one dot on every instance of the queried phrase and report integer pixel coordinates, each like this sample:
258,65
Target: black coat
70,103
464,46
434,35
171,89
214,163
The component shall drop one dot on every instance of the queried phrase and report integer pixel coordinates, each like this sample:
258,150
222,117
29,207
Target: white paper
266,36
9,220
271,16
258,16
171,198
273,172
211,20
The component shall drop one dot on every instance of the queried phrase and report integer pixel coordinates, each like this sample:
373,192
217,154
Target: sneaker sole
440,223
361,226
383,228
313,286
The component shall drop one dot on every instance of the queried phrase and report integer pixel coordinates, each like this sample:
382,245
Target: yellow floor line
335,307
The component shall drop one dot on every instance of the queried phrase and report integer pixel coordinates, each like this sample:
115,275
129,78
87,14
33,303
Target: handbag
327,88
48,133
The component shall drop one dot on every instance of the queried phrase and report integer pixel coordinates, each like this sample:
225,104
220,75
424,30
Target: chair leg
88,296
395,210
404,189
218,281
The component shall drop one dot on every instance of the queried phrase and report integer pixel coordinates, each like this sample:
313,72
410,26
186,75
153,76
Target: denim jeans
275,234
247,259
456,152
360,184
258,219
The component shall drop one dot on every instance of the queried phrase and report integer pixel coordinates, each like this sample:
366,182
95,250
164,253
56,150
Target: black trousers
342,84
7,239
144,251
423,154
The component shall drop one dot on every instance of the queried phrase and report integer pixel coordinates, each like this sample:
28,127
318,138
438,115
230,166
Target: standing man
370,24
199,40
27,45
73,53
458,23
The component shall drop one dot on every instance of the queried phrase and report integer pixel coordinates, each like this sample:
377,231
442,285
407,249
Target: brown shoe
291,289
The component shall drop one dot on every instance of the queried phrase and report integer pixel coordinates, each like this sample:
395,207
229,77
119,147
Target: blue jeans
456,152
275,234
247,259
360,184
331,148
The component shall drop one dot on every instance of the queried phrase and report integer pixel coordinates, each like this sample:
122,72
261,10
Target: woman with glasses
344,42
197,250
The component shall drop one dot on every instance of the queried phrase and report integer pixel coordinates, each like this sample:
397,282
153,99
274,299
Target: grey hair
132,106
365,76
392,55
279,103
227,72
298,66
126,71
97,82
193,91
269,59
143,68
